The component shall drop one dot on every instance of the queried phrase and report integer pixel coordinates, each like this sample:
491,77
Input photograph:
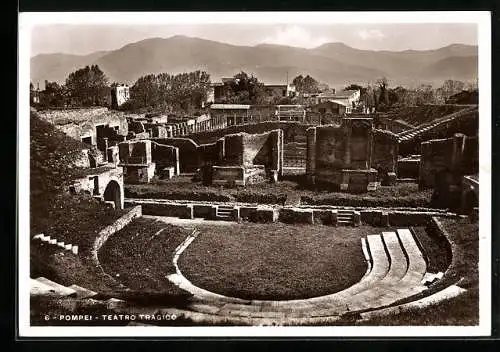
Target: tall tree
88,86
245,89
306,84
184,92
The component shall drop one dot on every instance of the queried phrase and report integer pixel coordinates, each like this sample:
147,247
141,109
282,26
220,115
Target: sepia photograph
254,174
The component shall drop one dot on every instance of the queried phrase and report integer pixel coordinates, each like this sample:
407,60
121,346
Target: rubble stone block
264,215
296,216
356,216
390,179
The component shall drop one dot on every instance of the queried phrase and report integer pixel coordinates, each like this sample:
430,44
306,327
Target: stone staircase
47,239
42,286
345,217
423,128
224,212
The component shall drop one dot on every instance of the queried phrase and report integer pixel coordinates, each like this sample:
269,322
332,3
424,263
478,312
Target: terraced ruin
127,230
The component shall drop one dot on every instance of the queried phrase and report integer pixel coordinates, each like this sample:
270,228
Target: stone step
38,288
399,264
82,292
416,261
380,267
434,299
39,236
59,290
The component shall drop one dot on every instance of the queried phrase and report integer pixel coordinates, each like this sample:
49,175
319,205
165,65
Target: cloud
296,36
374,34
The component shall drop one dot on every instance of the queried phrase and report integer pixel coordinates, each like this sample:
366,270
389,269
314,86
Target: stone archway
113,193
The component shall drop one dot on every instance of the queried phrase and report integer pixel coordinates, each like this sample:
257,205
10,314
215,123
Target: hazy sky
84,39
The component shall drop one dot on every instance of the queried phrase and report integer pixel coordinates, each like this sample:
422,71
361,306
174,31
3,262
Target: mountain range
334,63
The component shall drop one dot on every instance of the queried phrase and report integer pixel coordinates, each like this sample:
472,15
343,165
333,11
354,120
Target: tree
424,95
184,92
245,89
88,86
54,95
306,84
449,88
383,94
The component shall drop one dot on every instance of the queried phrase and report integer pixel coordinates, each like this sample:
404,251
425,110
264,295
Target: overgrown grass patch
183,188
464,240
275,261
140,255
459,311
66,269
436,250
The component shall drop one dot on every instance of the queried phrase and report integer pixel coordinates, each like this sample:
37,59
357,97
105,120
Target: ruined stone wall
74,115
165,156
256,149
209,154
135,152
445,161
385,152
293,131
233,150
331,147
470,158
188,149
136,126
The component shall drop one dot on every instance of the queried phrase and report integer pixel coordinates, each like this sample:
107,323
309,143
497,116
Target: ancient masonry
344,155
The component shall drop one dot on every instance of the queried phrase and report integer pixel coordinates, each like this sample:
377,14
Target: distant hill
56,67
333,63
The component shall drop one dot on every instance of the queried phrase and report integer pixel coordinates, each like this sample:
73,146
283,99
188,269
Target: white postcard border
483,20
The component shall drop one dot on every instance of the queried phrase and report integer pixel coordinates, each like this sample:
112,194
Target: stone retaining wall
305,215
119,224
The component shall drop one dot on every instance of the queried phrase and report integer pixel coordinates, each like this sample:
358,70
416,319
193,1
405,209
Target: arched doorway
113,193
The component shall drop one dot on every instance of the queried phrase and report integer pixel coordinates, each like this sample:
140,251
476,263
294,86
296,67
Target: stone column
311,154
458,149
177,167
369,149
347,147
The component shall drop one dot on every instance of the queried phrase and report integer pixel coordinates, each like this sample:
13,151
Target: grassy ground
275,261
183,188
122,255
140,255
66,269
436,251
462,310
464,239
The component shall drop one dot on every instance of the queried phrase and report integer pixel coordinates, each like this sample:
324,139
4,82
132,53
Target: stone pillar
221,148
347,146
458,149
177,170
333,217
311,154
369,149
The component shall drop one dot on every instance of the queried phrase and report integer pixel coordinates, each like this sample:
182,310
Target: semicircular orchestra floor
275,261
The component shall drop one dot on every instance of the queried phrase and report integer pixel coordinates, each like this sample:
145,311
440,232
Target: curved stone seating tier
395,268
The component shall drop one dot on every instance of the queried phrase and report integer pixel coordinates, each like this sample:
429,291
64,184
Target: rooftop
229,107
